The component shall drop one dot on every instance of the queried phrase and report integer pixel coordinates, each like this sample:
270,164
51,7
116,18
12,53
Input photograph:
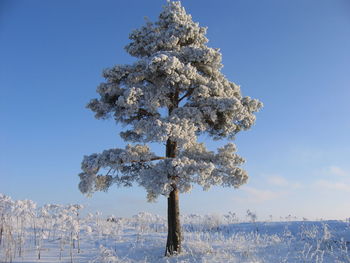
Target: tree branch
150,81
140,161
143,161
188,93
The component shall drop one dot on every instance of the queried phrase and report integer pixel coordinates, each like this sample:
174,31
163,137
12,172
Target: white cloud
333,186
337,171
283,182
262,195
277,180
254,195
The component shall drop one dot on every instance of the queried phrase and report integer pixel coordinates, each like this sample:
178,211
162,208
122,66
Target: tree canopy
172,94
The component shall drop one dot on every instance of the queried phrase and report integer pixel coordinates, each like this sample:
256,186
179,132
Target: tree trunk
1,230
173,244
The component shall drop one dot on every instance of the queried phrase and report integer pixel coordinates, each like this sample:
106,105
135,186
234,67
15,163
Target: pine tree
173,93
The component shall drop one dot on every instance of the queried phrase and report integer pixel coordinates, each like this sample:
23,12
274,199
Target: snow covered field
57,233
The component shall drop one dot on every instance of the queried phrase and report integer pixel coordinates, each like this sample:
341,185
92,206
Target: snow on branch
114,159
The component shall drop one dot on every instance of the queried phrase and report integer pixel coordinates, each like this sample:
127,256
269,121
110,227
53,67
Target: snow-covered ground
60,234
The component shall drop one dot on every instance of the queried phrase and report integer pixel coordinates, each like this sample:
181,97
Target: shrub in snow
251,216
122,240
106,256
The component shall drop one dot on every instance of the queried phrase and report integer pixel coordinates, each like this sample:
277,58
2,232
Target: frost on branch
194,164
174,92
174,30
126,161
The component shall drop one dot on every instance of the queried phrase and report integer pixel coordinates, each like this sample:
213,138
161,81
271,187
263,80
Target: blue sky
292,55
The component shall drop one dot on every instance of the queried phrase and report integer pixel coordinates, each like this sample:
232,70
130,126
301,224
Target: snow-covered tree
173,93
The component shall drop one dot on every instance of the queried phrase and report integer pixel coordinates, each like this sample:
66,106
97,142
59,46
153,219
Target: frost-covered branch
128,161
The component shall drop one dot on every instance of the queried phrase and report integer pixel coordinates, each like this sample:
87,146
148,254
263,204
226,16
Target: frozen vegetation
59,233
173,93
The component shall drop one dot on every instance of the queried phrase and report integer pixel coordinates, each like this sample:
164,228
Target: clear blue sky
292,55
